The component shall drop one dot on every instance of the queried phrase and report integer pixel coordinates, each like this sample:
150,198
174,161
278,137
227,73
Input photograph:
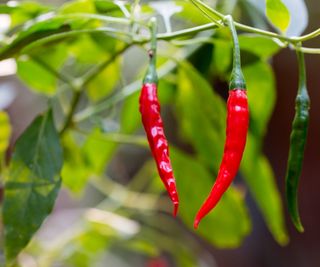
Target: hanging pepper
236,132
297,144
153,125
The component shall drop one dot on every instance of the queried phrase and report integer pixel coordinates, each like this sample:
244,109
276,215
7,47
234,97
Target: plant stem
57,36
307,50
119,138
74,103
87,78
169,36
198,3
307,36
237,79
182,33
92,73
263,32
64,78
126,198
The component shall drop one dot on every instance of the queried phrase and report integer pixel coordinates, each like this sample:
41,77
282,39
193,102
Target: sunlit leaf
299,16
20,12
222,56
5,132
261,86
78,6
201,115
85,155
43,27
297,9
104,83
278,14
260,179
261,46
33,69
32,184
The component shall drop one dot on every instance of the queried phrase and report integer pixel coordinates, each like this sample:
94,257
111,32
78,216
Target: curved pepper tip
176,207
298,226
196,223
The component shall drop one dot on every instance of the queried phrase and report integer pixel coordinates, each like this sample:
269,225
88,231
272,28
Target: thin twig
85,80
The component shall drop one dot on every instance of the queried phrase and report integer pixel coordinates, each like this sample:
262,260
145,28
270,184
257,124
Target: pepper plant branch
128,199
118,138
62,77
82,83
57,36
140,39
217,14
91,74
293,40
131,88
308,36
308,50
74,103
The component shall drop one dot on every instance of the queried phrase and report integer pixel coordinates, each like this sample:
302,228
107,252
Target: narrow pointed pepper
153,125
297,144
236,132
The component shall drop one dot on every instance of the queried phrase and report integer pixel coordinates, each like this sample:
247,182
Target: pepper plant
84,60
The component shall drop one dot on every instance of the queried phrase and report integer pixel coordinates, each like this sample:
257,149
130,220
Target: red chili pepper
153,125
157,262
236,133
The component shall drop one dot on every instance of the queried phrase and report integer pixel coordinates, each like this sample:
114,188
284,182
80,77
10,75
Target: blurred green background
121,216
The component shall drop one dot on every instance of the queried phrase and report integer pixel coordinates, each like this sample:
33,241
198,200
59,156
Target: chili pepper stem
237,79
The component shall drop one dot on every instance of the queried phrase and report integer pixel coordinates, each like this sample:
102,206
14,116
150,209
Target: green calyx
151,75
237,79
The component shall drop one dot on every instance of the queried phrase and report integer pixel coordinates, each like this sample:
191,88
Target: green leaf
21,12
5,133
78,6
32,184
35,75
201,115
222,56
261,46
51,26
130,115
261,87
109,7
188,12
74,173
86,43
85,155
228,224
103,84
259,176
278,14
299,16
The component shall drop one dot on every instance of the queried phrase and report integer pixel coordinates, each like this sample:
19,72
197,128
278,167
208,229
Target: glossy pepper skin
153,126
297,145
236,133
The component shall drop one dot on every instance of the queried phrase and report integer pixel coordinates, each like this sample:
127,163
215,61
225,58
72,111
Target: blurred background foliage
85,60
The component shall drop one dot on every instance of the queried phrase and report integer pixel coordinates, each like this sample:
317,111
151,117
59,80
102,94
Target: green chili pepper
297,144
